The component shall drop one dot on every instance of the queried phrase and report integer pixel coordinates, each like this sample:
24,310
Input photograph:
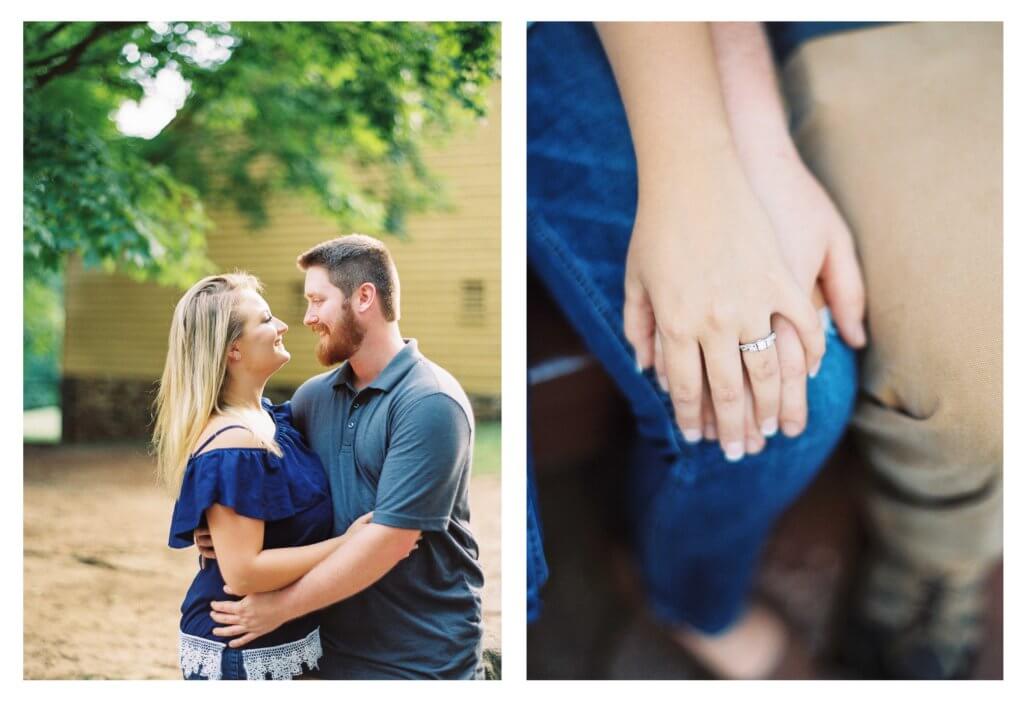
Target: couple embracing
334,528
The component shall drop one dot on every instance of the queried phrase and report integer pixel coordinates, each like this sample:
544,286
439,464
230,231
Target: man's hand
816,243
204,542
815,240
250,617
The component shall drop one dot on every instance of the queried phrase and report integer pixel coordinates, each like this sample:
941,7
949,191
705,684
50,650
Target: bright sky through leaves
166,92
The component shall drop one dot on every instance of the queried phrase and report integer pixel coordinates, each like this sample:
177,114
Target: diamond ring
760,344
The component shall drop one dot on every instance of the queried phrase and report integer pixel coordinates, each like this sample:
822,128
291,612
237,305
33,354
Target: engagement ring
760,344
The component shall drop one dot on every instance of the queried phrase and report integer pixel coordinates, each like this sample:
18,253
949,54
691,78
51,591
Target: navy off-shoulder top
290,493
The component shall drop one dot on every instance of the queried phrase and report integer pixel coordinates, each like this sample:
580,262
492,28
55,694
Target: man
903,126
394,432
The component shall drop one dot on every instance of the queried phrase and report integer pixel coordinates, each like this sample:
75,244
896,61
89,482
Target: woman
240,468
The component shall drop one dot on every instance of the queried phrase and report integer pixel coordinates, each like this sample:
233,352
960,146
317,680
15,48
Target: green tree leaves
336,110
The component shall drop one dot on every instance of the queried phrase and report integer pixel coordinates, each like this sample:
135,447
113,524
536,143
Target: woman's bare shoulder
237,437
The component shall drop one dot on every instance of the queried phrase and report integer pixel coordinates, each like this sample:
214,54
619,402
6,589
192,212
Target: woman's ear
234,354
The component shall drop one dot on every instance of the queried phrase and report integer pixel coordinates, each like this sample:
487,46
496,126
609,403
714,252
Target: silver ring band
759,345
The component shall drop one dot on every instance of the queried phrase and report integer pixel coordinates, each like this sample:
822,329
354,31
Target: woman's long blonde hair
204,325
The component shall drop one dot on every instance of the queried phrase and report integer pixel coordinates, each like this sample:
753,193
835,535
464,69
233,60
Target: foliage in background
306,107
338,111
42,340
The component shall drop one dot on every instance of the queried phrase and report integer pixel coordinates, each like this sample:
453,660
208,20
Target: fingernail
754,446
710,433
639,367
791,428
815,369
692,435
860,336
734,451
663,383
770,427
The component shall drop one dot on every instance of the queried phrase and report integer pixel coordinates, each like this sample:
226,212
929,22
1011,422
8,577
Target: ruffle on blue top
252,481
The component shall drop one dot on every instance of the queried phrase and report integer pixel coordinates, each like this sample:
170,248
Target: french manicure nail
770,427
815,369
663,383
791,428
692,435
753,446
710,433
734,451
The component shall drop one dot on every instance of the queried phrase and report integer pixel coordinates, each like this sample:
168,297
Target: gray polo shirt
401,447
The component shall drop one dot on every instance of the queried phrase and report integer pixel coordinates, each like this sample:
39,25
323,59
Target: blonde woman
240,468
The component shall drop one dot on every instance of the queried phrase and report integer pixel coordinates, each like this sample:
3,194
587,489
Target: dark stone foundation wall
103,409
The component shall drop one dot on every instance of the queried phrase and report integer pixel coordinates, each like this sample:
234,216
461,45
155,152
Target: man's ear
365,296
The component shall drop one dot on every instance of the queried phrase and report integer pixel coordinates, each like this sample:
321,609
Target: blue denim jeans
697,521
536,565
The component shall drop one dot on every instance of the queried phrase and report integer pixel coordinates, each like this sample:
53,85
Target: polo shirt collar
392,373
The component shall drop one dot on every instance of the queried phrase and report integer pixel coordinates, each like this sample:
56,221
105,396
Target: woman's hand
365,520
359,524
704,273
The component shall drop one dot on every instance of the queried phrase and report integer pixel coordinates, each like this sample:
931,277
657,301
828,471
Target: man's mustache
320,329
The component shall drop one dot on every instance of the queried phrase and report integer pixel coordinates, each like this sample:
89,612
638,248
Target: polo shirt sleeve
426,463
301,403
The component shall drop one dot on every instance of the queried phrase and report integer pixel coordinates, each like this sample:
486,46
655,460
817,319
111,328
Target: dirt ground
102,589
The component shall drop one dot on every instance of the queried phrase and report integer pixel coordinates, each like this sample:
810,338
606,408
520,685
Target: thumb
227,590
638,324
843,288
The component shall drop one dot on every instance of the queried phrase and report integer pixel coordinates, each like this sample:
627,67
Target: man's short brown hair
353,260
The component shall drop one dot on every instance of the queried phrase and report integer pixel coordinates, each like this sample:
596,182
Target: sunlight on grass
487,448
42,425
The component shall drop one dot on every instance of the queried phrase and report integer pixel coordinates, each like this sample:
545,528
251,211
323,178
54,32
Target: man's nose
310,319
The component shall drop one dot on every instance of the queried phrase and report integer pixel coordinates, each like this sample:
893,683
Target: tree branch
72,56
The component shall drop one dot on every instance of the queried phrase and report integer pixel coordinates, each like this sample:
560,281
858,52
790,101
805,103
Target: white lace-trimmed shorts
201,658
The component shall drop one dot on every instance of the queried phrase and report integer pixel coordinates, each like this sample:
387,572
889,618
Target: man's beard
342,343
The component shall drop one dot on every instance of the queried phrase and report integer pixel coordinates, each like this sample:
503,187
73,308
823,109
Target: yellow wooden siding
118,328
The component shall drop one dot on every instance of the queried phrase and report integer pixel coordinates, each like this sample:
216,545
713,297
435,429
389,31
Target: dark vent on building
472,305
298,298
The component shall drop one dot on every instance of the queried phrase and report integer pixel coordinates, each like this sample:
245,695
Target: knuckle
675,330
726,394
719,316
686,395
763,368
792,369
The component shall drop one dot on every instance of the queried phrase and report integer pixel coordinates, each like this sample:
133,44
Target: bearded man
395,434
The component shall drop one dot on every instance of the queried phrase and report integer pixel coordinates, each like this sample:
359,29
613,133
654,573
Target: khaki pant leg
903,125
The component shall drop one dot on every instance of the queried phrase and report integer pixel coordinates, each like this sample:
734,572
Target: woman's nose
283,326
